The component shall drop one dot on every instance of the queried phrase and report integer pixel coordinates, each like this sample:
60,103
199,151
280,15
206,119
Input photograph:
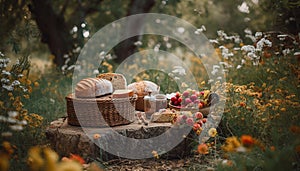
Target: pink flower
190,121
188,101
179,120
184,117
198,115
185,94
193,97
197,102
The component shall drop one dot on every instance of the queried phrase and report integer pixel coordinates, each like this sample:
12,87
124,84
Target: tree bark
127,47
66,139
53,28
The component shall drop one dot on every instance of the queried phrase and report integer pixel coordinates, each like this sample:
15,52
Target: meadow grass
262,101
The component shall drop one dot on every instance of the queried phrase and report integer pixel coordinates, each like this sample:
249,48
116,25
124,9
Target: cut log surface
90,142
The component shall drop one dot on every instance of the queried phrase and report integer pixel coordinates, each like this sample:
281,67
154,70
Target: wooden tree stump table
66,139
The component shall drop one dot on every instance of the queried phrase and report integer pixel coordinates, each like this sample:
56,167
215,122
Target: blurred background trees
40,28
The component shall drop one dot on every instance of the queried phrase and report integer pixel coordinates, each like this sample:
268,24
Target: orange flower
247,140
298,149
96,136
295,129
77,158
202,149
272,148
242,104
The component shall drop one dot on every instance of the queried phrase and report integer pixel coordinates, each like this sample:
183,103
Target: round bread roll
93,87
142,88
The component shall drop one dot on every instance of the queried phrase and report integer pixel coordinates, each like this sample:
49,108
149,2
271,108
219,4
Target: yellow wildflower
198,132
231,144
212,132
29,89
69,166
28,82
4,162
35,160
51,159
283,109
155,154
36,84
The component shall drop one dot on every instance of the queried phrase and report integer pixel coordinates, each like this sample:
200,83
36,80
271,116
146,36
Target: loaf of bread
122,93
93,87
118,80
142,88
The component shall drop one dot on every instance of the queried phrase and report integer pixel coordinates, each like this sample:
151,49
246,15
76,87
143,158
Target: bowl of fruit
194,101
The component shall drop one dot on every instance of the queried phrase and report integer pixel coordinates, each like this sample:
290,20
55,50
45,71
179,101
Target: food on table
118,80
93,87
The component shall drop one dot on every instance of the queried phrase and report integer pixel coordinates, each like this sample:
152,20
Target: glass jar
149,105
160,102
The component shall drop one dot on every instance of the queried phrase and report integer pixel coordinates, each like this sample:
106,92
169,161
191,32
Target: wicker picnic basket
100,112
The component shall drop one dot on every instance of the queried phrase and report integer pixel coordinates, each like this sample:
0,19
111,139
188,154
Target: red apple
173,99
179,100
176,103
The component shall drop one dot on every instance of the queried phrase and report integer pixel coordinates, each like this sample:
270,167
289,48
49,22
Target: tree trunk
66,139
53,28
127,47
